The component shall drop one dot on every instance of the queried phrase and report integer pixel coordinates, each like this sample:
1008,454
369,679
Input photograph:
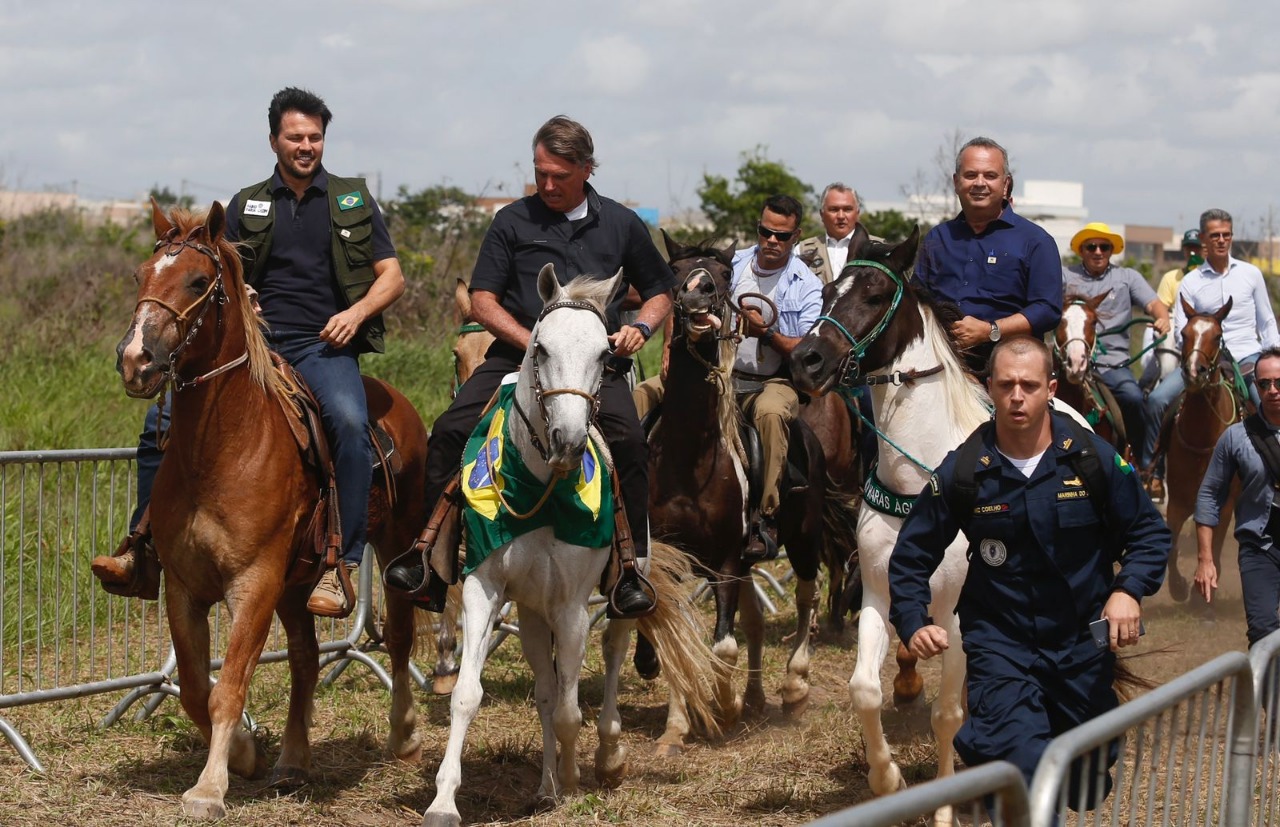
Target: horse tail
840,548
678,634
1128,683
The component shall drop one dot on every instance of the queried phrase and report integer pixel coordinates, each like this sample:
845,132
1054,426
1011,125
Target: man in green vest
316,249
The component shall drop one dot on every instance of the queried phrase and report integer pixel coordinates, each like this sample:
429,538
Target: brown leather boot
117,570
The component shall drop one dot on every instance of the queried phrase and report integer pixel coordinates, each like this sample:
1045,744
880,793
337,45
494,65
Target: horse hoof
444,684
908,695
409,752
441,820
795,709
611,778
541,804
289,778
661,750
205,809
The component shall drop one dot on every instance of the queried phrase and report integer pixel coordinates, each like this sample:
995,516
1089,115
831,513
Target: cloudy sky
1160,107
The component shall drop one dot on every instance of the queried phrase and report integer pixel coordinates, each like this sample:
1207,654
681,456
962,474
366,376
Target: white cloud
615,64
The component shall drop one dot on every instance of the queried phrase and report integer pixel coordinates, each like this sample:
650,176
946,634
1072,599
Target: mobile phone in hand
1101,631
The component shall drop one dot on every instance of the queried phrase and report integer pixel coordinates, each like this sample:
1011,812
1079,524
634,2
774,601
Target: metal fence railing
1264,658
992,793
63,637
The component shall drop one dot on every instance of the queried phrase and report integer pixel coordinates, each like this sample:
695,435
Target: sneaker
327,598
1156,489
116,570
629,597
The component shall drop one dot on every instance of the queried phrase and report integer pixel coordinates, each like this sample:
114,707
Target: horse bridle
540,393
1060,351
215,294
851,366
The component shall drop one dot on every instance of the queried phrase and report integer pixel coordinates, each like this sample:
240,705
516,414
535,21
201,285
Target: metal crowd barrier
1264,658
1180,754
63,637
963,792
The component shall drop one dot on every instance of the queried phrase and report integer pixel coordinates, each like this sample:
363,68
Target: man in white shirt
1249,327
840,210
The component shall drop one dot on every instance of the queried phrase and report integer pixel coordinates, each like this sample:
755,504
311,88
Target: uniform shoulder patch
1123,465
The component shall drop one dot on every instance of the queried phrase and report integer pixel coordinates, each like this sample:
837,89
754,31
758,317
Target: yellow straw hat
1096,229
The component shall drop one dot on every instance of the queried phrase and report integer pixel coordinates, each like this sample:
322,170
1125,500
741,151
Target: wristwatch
645,330
995,332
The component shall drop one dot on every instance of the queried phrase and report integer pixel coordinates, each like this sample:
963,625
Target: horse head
193,271
1077,334
564,364
473,339
860,328
703,274
1201,345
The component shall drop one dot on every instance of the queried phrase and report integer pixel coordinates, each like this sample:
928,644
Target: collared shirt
526,234
1234,455
1041,562
1127,288
798,297
1011,267
298,289
1251,318
838,251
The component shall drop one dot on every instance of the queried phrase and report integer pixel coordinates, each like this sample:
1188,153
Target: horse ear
462,298
674,248
904,255
159,220
615,284
726,252
1224,310
548,284
1097,300
858,244
215,223
1187,309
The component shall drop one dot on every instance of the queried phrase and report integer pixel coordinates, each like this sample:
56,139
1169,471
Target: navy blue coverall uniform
1041,568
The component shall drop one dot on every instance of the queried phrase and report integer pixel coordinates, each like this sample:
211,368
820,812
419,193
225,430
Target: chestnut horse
1074,344
877,331
233,501
1209,406
698,489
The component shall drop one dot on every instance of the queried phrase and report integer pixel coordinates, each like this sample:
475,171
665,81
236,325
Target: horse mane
588,289
946,312
966,398
260,365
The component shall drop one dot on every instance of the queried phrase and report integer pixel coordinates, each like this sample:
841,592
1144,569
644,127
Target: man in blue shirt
1257,521
1042,567
1003,271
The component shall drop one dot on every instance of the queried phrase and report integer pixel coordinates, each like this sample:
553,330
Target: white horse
927,411
551,580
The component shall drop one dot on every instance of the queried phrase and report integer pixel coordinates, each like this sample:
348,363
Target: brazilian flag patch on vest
498,486
350,201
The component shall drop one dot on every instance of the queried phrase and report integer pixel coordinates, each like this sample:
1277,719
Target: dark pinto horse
1209,406
698,488
1075,342
233,501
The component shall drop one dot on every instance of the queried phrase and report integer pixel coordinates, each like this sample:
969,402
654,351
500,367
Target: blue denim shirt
1234,455
799,294
1012,266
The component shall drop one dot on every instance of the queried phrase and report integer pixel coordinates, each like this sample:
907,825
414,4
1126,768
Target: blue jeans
1167,391
1129,397
1260,588
334,378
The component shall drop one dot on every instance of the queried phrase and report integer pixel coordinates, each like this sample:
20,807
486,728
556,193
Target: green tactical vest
352,238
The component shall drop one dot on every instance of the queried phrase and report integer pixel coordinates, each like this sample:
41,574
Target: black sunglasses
1265,385
781,235
1095,246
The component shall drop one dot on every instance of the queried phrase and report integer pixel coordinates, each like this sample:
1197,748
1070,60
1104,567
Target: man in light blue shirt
1257,521
1248,327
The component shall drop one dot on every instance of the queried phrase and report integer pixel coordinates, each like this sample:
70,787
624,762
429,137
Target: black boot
405,574
762,542
630,599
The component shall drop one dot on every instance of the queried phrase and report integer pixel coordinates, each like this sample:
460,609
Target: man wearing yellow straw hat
1124,289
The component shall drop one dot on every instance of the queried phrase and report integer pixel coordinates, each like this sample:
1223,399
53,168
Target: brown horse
1210,405
233,501
1074,343
698,487
473,340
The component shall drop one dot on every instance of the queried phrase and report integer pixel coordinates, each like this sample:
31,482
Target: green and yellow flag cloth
579,509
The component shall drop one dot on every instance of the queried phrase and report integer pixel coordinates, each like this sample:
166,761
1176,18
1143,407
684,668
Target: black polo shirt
526,235
298,289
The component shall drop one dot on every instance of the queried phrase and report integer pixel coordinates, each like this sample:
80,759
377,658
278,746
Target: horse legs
445,674
480,604
537,643
571,631
230,745
753,627
795,689
293,767
867,696
1175,515
403,740
948,713
725,647
611,756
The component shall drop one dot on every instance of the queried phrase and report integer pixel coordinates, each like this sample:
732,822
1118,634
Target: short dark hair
784,205
1019,346
293,99
1267,353
565,138
1214,215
